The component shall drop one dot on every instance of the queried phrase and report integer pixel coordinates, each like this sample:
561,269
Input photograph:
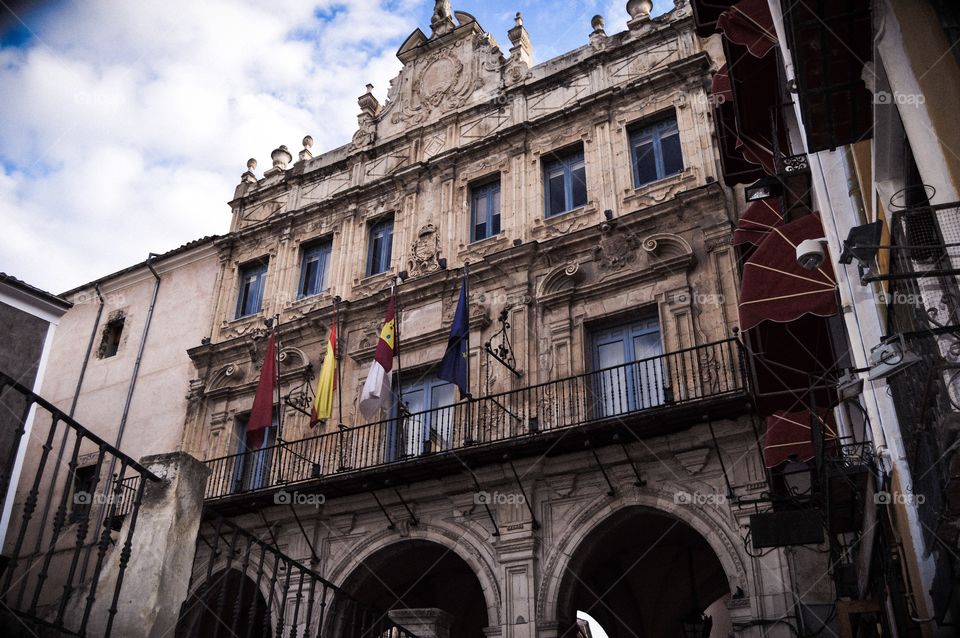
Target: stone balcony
625,403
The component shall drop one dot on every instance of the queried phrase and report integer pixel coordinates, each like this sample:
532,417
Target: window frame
258,266
654,128
253,467
486,187
636,384
565,160
430,385
385,260
323,247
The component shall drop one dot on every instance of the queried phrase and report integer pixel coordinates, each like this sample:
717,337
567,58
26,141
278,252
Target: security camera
810,253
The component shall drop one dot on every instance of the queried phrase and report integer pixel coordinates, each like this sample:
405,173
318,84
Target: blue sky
126,125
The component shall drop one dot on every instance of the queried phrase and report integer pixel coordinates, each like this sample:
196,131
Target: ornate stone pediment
458,64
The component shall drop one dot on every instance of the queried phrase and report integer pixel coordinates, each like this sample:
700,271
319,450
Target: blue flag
453,368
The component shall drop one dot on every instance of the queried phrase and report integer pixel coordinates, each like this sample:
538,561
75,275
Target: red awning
789,434
736,169
755,83
757,221
794,365
776,288
748,23
706,13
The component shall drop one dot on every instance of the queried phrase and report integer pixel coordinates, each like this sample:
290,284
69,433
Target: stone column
157,578
424,623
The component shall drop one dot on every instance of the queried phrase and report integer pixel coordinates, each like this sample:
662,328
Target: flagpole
277,354
339,360
466,288
396,341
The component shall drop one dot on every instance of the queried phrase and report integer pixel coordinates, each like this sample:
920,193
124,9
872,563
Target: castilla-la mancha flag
327,382
376,390
261,415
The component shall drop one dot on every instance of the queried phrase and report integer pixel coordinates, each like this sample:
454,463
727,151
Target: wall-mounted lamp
889,357
811,253
763,188
442,262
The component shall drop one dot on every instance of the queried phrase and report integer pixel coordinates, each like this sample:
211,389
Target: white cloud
127,124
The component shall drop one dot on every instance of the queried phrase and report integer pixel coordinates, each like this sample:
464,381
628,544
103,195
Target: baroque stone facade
459,115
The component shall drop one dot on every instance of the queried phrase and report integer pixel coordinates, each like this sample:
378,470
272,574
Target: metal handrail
709,371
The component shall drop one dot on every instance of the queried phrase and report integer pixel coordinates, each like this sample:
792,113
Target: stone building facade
521,511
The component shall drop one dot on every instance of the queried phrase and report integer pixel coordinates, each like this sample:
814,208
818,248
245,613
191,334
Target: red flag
261,415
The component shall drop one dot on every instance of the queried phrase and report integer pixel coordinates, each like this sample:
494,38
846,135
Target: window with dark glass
485,210
251,471
250,295
380,249
83,486
628,369
110,342
425,420
565,181
314,269
655,151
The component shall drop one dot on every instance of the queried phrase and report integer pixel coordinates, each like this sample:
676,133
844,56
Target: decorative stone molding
693,461
425,252
617,247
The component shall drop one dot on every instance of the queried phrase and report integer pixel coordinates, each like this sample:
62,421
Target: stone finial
442,20
250,176
306,153
281,159
639,10
369,104
597,23
520,39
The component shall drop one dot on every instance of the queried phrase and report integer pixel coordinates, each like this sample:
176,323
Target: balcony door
628,368
426,423
252,471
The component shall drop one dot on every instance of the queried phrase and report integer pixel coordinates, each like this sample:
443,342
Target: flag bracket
533,516
503,351
301,397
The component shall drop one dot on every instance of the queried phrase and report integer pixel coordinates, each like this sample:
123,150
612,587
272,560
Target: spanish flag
327,382
376,390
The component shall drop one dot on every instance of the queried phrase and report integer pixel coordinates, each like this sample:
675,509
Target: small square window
655,151
314,269
565,181
250,294
380,249
110,341
485,210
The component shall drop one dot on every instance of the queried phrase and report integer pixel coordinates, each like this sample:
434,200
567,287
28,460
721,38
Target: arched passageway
228,604
417,574
641,574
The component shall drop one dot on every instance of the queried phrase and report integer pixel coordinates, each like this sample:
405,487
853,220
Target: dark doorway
229,604
418,574
641,574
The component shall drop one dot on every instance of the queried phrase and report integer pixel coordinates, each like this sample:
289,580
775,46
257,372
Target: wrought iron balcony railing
614,396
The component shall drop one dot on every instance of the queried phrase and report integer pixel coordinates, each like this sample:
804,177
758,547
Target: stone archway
228,604
419,574
640,572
